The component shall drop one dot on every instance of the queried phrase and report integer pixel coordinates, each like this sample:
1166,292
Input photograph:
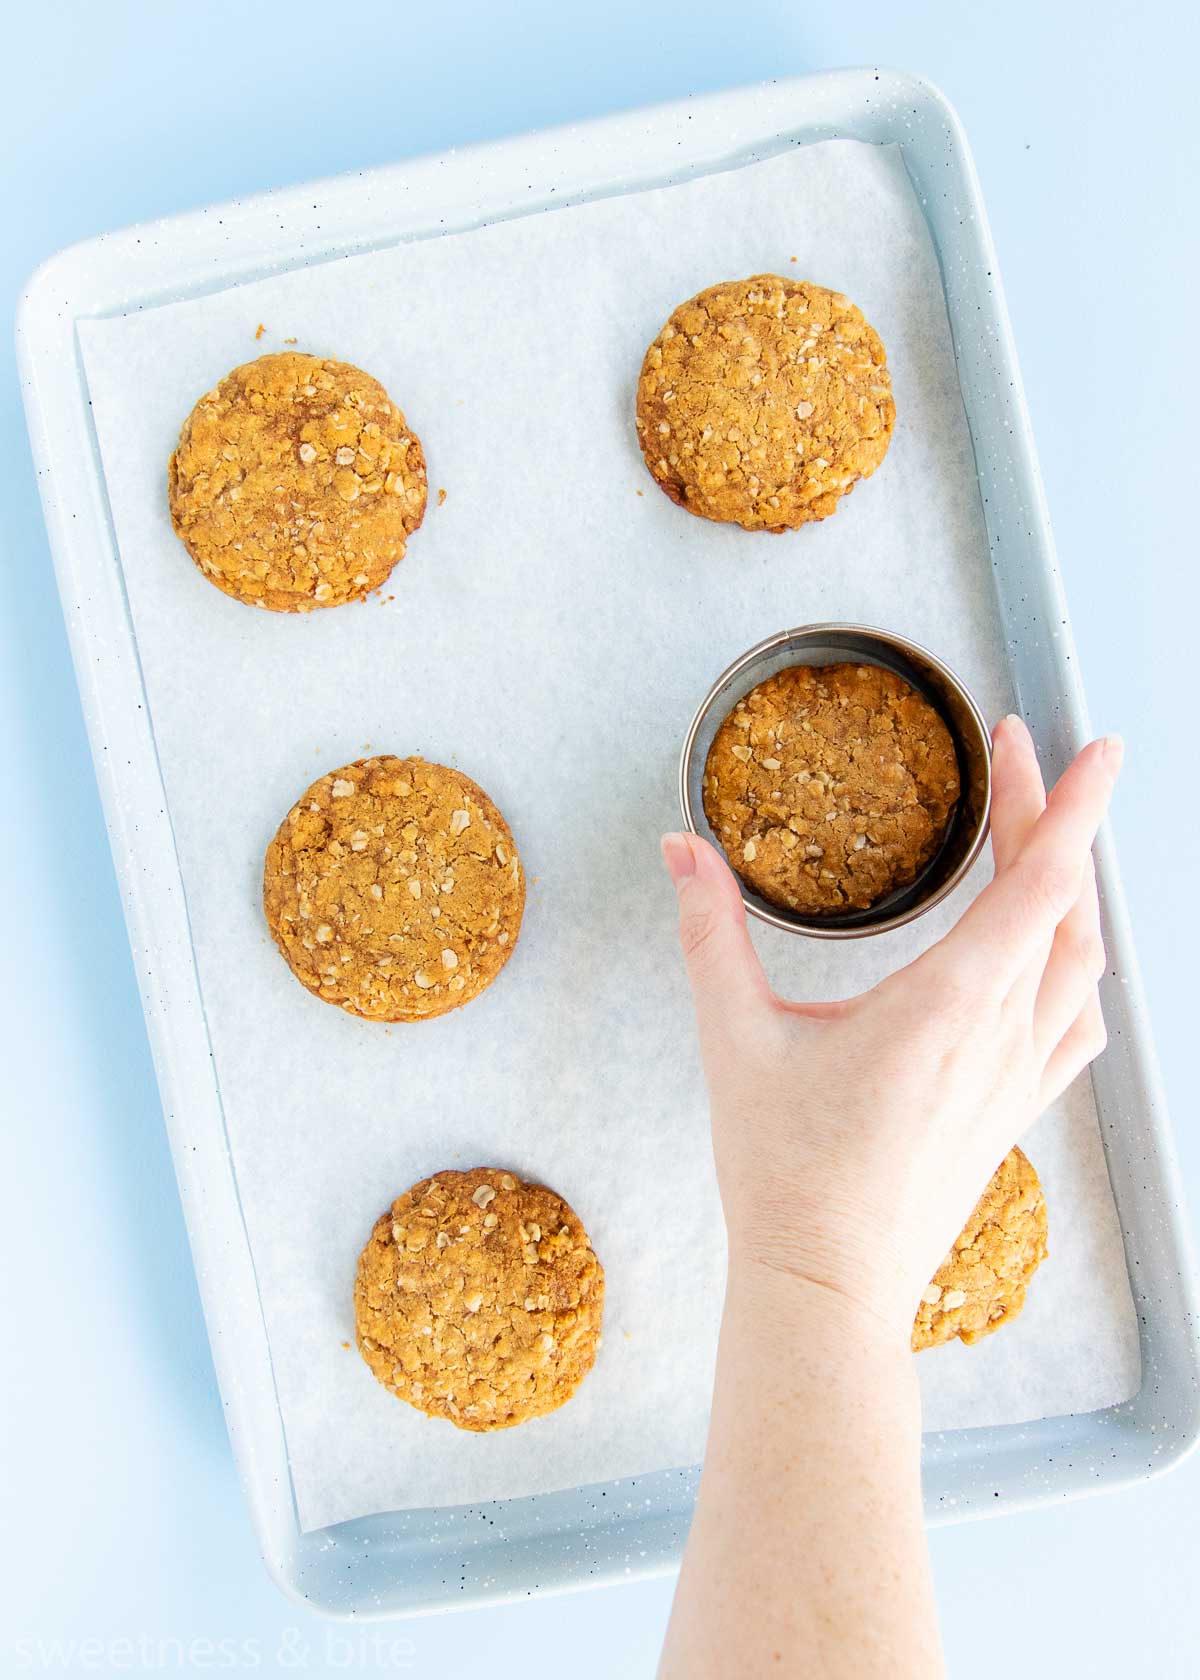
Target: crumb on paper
639,492
441,497
791,259
345,1344
296,341
259,331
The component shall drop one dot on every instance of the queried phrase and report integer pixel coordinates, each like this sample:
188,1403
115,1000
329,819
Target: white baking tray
425,1560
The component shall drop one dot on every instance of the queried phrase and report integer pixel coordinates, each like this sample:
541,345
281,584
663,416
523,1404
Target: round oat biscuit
830,786
981,1283
296,483
762,402
393,889
479,1299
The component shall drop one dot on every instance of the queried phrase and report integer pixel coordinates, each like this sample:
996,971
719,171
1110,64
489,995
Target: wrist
788,1309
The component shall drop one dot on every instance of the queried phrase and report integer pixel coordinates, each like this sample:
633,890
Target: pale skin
851,1141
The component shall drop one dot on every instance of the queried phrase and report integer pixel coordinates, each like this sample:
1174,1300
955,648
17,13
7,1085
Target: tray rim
70,286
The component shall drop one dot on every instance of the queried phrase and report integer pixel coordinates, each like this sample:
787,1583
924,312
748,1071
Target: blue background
124,1519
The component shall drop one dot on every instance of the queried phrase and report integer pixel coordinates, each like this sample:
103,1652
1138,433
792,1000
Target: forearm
807,1553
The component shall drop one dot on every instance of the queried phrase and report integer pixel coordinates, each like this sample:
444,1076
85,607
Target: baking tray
427,1560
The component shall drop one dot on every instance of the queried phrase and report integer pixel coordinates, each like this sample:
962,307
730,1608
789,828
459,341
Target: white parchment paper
551,631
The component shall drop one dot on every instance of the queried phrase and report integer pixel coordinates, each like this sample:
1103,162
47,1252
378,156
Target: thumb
726,976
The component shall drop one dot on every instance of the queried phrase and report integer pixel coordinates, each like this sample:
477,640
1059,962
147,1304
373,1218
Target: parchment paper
551,631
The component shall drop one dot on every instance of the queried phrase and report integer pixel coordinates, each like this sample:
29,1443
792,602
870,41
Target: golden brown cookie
829,786
296,483
762,402
393,888
981,1283
479,1299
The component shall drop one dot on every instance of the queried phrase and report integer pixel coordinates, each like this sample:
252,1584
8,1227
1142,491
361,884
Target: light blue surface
124,1518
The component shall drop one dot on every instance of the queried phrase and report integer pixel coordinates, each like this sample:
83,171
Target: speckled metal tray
421,1561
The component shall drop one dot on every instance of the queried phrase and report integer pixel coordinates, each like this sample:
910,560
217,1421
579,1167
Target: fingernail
678,857
1018,726
1114,753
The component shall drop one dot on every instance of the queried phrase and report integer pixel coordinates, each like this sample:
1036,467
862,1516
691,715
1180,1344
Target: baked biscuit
479,1299
830,786
762,402
981,1283
296,483
393,889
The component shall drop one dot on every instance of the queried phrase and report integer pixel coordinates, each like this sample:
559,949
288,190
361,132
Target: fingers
1073,970
1018,794
726,976
1084,1041
1018,800
1013,920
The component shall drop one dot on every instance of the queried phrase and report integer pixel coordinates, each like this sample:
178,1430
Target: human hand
852,1139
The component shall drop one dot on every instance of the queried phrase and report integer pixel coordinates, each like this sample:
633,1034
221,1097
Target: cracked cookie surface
296,483
479,1299
393,889
829,786
762,402
981,1283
